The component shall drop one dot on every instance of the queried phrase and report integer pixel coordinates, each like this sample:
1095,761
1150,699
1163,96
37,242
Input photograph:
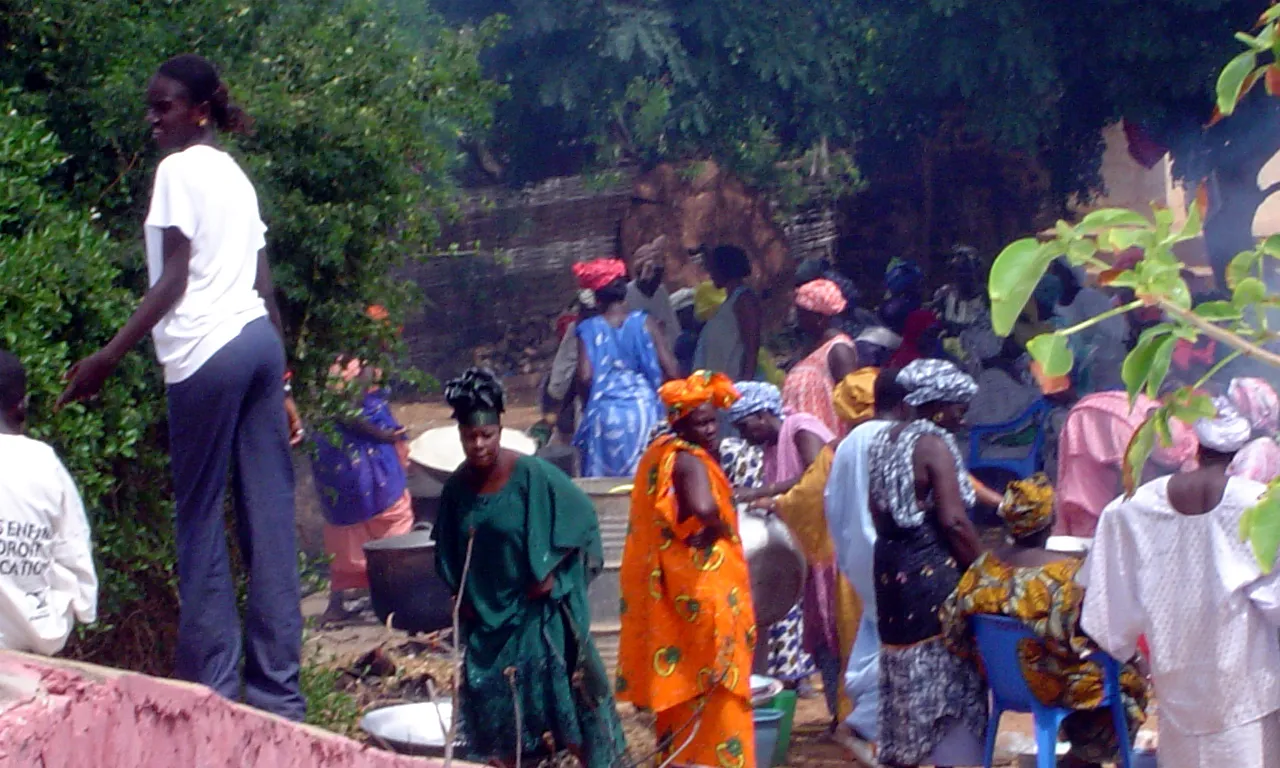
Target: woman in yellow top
1025,581
830,602
688,626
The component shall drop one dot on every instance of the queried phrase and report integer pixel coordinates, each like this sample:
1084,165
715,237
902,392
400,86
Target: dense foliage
356,133
753,83
756,85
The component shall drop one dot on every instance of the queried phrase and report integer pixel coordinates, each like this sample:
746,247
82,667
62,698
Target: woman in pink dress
1091,453
809,384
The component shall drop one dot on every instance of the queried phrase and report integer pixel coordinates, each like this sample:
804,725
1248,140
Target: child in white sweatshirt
47,581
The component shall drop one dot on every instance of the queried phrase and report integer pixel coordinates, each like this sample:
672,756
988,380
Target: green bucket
784,702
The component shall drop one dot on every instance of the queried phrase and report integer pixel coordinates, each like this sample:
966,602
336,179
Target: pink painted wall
57,714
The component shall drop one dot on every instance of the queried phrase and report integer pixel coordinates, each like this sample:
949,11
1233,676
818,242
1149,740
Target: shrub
356,134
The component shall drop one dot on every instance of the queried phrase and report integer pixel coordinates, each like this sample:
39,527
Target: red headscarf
597,273
918,322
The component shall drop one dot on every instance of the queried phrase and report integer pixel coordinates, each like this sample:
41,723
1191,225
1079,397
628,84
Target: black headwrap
476,397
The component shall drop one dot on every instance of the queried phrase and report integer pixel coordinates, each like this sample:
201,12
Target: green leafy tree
756,84
356,135
762,87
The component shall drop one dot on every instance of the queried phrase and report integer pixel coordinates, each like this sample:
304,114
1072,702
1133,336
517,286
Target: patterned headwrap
1256,400
855,396
597,273
821,296
902,276
684,395
476,397
1028,506
936,381
1227,432
754,397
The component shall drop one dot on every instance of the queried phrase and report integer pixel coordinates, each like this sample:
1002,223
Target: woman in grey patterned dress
933,705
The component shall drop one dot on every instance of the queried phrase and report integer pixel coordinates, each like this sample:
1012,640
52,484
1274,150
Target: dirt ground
383,667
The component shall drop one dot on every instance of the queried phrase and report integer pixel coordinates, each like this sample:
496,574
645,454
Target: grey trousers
228,419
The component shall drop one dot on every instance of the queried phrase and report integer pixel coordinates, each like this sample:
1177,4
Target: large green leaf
1193,227
1137,452
1138,363
1218,311
1189,406
1241,267
1261,527
1053,354
1112,217
1248,291
1014,275
1160,361
1231,81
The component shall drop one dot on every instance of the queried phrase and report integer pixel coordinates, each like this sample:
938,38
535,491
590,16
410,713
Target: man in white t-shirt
47,581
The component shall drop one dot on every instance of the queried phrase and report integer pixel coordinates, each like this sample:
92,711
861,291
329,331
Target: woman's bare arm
747,311
935,460
666,359
695,499
584,372
842,360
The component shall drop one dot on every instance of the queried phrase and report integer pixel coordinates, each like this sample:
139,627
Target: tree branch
1246,347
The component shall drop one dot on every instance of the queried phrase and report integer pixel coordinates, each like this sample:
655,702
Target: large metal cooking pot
776,564
403,583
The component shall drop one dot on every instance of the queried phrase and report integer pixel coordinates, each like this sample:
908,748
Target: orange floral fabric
725,735
809,387
688,626
683,395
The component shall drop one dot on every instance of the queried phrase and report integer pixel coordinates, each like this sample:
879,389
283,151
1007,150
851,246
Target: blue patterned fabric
360,477
623,405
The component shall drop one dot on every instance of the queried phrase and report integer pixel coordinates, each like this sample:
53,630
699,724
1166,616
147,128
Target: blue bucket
767,724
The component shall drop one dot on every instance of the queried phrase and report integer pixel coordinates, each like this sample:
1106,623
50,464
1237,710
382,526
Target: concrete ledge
58,714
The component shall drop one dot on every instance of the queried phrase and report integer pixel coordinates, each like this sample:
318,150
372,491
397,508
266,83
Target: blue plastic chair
1035,414
997,638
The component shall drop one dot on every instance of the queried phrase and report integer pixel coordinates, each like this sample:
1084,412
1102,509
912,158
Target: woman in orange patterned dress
688,626
809,384
1023,580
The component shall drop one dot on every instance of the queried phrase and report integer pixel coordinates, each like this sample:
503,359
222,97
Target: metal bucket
613,510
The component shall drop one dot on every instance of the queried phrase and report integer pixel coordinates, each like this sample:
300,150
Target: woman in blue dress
622,360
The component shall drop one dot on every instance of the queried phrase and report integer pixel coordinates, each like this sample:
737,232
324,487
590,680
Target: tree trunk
1228,230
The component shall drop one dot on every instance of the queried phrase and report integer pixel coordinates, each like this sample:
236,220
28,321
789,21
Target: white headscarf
1227,432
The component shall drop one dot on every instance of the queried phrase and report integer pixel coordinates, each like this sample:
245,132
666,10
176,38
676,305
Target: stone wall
509,277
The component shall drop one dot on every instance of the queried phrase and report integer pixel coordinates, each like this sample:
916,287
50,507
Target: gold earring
937,418
204,121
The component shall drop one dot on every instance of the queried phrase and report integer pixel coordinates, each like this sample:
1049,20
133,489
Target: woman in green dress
517,542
